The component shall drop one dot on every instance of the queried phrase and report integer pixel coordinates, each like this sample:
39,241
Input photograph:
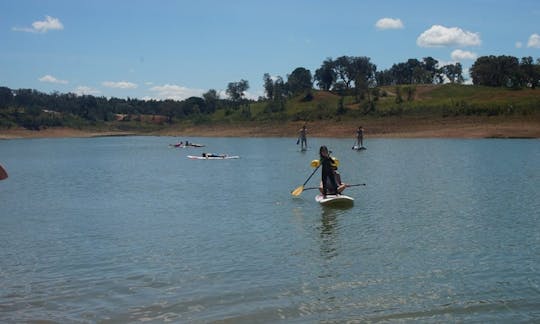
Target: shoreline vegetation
388,127
410,111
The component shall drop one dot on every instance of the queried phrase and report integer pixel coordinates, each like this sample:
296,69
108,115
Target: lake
128,229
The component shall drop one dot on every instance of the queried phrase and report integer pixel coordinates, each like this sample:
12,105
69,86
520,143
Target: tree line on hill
345,76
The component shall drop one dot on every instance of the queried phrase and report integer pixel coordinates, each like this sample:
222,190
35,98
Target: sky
166,49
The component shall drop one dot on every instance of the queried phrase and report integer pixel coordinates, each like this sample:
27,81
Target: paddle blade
297,191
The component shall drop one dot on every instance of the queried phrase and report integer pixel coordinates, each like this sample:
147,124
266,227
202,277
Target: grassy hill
447,100
406,111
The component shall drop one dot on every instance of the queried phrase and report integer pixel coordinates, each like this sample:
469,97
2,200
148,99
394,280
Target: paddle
298,191
346,186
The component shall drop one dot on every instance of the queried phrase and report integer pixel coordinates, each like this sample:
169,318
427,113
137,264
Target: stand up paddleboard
334,200
358,148
225,157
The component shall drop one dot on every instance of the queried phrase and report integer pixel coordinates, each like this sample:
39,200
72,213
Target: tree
168,108
384,78
268,85
412,71
276,92
6,97
235,90
363,72
530,71
194,105
432,71
211,99
399,73
497,71
299,81
454,72
24,97
325,75
343,68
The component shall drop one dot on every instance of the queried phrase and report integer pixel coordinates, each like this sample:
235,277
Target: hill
405,111
448,110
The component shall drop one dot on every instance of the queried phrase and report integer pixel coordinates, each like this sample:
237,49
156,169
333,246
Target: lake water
126,229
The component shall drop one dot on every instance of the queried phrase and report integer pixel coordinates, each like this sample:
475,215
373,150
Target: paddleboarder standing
302,138
360,137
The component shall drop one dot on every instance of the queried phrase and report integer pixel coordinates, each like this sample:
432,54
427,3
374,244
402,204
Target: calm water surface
126,229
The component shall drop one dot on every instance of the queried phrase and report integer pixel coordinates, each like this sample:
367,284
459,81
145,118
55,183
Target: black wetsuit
328,178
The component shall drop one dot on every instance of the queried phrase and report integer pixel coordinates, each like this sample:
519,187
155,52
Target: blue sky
176,49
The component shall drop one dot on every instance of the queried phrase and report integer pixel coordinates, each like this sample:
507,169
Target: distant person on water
302,138
207,155
360,136
330,179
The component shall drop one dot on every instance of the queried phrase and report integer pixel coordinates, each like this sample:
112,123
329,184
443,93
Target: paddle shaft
311,175
346,186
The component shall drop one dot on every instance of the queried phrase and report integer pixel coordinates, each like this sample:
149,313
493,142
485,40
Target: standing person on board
360,137
302,138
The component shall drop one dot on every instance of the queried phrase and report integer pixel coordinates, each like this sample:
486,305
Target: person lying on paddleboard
329,184
213,155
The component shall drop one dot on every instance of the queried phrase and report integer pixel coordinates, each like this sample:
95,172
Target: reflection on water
328,232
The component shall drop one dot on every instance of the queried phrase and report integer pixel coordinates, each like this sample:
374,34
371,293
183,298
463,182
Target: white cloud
50,79
50,23
445,62
389,23
175,92
253,95
459,55
439,36
119,85
519,44
534,41
84,90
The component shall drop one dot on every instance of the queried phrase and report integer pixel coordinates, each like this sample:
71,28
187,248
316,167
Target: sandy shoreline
479,127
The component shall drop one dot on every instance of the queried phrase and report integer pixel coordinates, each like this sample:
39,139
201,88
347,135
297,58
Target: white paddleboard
334,200
358,148
225,157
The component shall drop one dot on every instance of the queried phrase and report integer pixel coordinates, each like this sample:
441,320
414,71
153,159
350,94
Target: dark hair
323,147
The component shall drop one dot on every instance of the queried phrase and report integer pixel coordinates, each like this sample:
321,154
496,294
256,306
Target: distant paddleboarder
360,136
302,138
359,145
